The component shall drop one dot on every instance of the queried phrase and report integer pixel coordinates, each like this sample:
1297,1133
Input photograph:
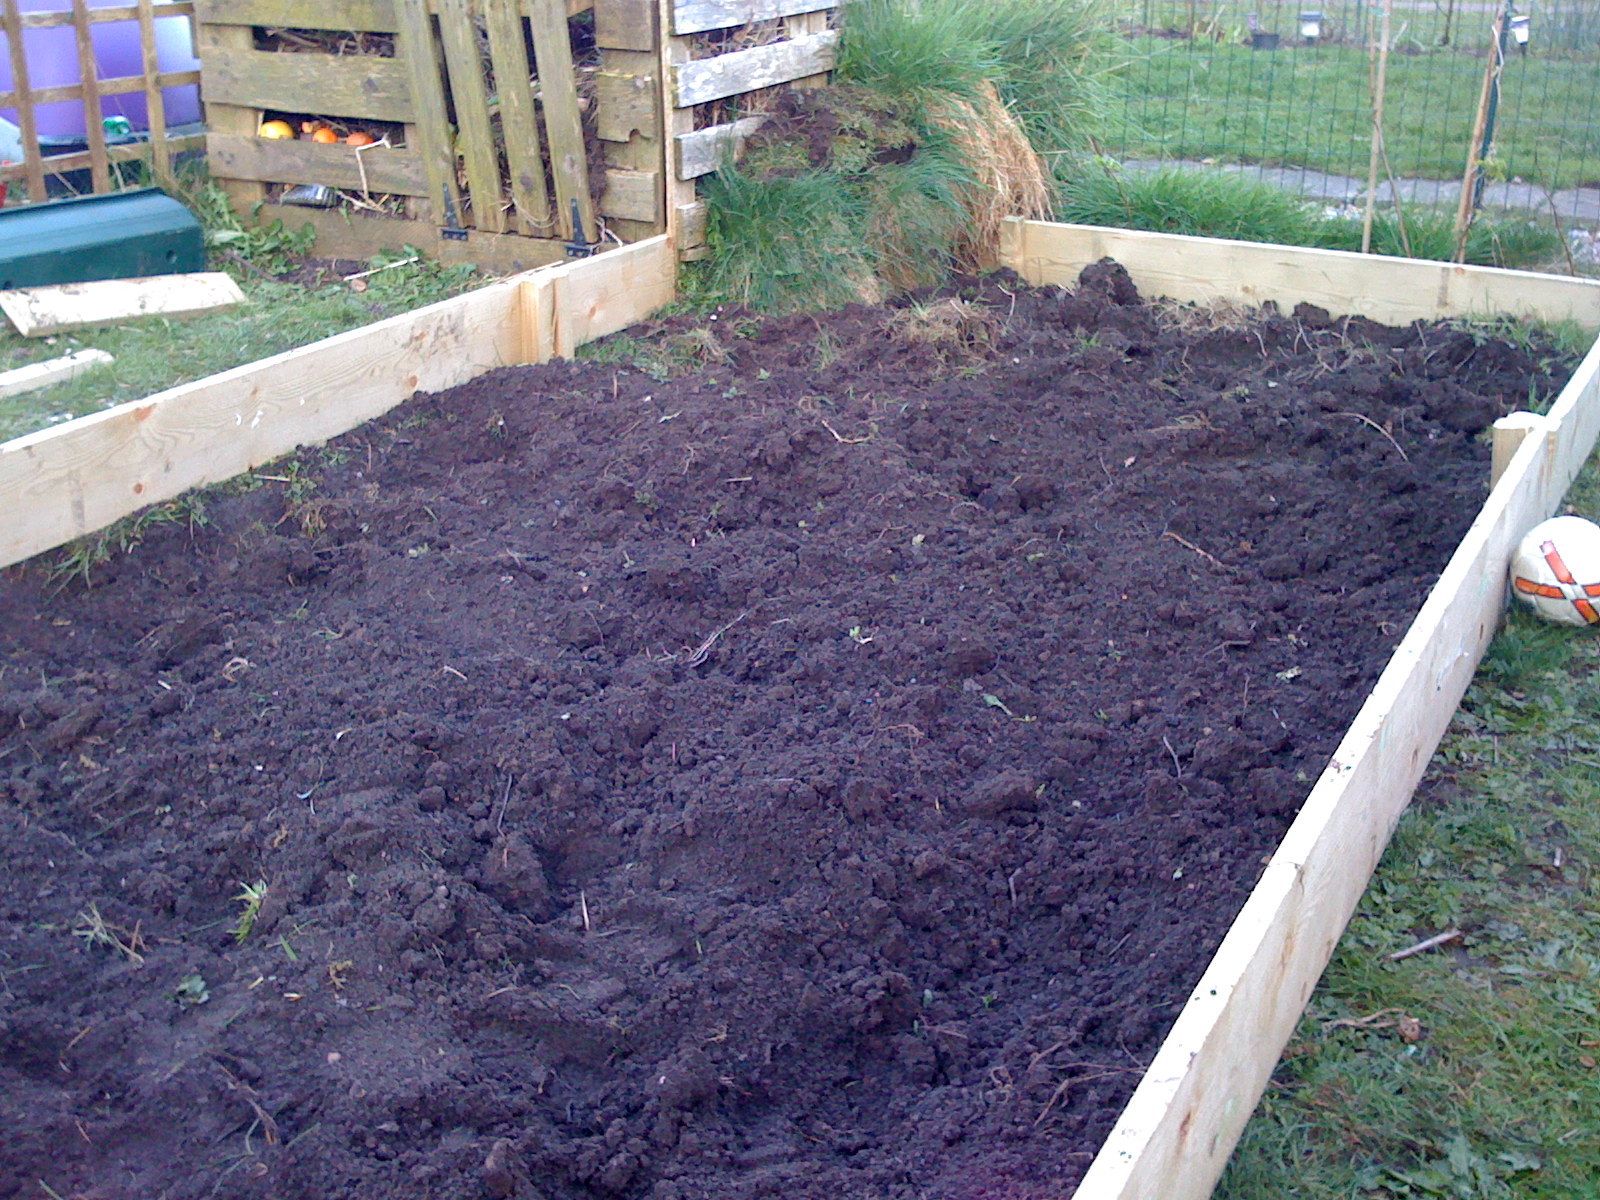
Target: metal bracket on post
580,246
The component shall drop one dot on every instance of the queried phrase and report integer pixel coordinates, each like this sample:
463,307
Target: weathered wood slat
122,86
93,111
361,235
361,16
705,150
27,119
102,16
519,123
563,122
371,169
421,59
155,101
378,89
55,164
632,195
475,144
697,16
707,79
41,311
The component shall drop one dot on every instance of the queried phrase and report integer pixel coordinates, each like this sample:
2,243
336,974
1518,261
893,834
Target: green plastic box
117,236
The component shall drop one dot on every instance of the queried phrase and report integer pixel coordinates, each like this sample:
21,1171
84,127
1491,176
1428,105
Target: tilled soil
821,772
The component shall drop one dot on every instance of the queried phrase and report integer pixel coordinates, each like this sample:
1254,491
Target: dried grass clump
1009,177
956,328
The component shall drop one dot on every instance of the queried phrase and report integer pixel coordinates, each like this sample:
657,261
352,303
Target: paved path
1575,206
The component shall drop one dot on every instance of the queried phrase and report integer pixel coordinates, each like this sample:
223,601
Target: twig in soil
703,650
1363,417
404,262
269,1126
583,904
1188,545
848,441
1177,767
1433,943
500,821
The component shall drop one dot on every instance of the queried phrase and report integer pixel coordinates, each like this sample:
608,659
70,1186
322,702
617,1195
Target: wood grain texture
705,150
341,234
1392,290
707,79
697,16
93,110
361,16
27,119
519,123
372,169
469,95
425,83
41,311
374,89
563,122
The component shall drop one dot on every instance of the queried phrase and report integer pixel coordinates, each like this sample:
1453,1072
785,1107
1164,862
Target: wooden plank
707,79
692,225
341,234
132,152
77,477
677,122
437,145
613,290
52,371
1393,290
626,24
39,311
123,86
1177,1131
155,100
1508,434
360,16
375,89
804,25
627,96
93,110
102,16
27,120
80,476
519,123
375,168
470,96
697,16
563,122
632,195
705,150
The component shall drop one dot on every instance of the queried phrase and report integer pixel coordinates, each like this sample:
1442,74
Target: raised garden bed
714,727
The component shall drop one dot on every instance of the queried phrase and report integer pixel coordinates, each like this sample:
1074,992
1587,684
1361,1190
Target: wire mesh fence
1289,91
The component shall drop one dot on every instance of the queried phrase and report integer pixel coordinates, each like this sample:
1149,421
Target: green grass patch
1471,1071
1310,106
154,353
1215,203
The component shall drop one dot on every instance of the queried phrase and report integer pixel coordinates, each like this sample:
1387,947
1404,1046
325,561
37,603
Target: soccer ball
1556,570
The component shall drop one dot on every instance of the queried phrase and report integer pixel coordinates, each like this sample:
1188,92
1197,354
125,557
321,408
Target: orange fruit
325,135
277,130
360,139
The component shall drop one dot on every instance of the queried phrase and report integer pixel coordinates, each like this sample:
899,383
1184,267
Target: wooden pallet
437,88
1178,1129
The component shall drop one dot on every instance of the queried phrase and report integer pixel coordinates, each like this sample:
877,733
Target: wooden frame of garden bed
1178,1129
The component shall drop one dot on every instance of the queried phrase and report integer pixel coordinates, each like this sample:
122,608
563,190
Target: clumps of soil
819,773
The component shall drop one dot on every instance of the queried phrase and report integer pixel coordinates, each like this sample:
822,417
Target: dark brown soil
818,774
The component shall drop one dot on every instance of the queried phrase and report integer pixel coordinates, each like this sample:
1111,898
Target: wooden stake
1379,88
1469,179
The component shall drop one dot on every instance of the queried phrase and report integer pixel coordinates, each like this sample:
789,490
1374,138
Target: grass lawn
1310,106
1472,1071
157,352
